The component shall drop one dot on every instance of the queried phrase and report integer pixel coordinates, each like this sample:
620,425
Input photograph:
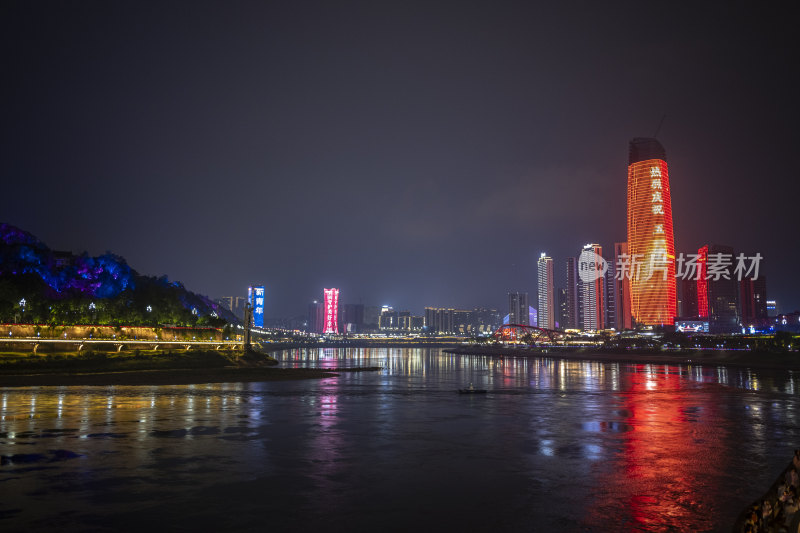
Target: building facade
546,315
316,317
518,312
561,308
622,289
573,318
686,292
440,320
651,246
717,297
352,318
591,285
753,300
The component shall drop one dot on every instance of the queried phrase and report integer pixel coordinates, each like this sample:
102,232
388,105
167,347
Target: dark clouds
412,154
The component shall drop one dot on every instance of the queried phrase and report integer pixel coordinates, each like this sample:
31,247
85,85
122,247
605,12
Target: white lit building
546,292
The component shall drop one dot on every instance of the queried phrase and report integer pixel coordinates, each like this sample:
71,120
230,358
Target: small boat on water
471,390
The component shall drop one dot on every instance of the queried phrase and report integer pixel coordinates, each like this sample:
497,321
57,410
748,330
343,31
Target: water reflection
564,445
538,372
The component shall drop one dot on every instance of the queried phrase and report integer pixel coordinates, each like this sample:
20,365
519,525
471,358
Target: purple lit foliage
68,276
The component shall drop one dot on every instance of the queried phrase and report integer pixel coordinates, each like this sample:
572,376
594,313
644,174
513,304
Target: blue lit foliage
67,275
71,281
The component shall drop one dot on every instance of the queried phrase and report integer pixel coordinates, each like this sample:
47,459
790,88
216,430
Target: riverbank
743,358
155,368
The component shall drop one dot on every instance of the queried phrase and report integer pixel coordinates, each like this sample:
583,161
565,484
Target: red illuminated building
702,282
651,247
331,311
718,293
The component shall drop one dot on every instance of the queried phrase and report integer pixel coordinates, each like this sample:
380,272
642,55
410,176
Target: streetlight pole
248,318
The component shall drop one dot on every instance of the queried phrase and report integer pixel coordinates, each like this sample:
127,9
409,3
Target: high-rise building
372,314
352,318
462,322
622,289
546,313
753,299
610,296
717,297
234,304
772,308
485,320
573,319
591,287
394,321
518,308
533,316
440,320
331,311
651,246
561,308
316,317
686,292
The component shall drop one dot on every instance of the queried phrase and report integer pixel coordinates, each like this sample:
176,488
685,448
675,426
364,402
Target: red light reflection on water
659,479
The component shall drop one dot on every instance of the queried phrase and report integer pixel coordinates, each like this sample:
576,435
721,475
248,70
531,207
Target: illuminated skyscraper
651,246
546,307
591,285
331,311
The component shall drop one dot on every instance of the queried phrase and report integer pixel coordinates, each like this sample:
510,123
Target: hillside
43,286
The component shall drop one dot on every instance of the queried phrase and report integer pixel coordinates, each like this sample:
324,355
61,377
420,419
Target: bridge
528,334
118,344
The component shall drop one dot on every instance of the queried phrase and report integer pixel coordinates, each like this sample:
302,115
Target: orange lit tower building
651,246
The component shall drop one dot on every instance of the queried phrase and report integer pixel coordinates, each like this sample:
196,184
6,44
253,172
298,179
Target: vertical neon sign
256,297
702,283
331,311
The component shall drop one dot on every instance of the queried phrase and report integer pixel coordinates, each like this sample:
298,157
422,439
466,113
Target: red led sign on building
650,243
331,311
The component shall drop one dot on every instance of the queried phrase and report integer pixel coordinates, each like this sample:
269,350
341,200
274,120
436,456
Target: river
553,446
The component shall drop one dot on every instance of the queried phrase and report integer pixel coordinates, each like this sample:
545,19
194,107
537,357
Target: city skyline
428,171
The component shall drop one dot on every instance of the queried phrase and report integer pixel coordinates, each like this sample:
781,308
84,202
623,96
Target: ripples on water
555,446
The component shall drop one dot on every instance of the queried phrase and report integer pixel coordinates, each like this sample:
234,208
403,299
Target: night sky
410,154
